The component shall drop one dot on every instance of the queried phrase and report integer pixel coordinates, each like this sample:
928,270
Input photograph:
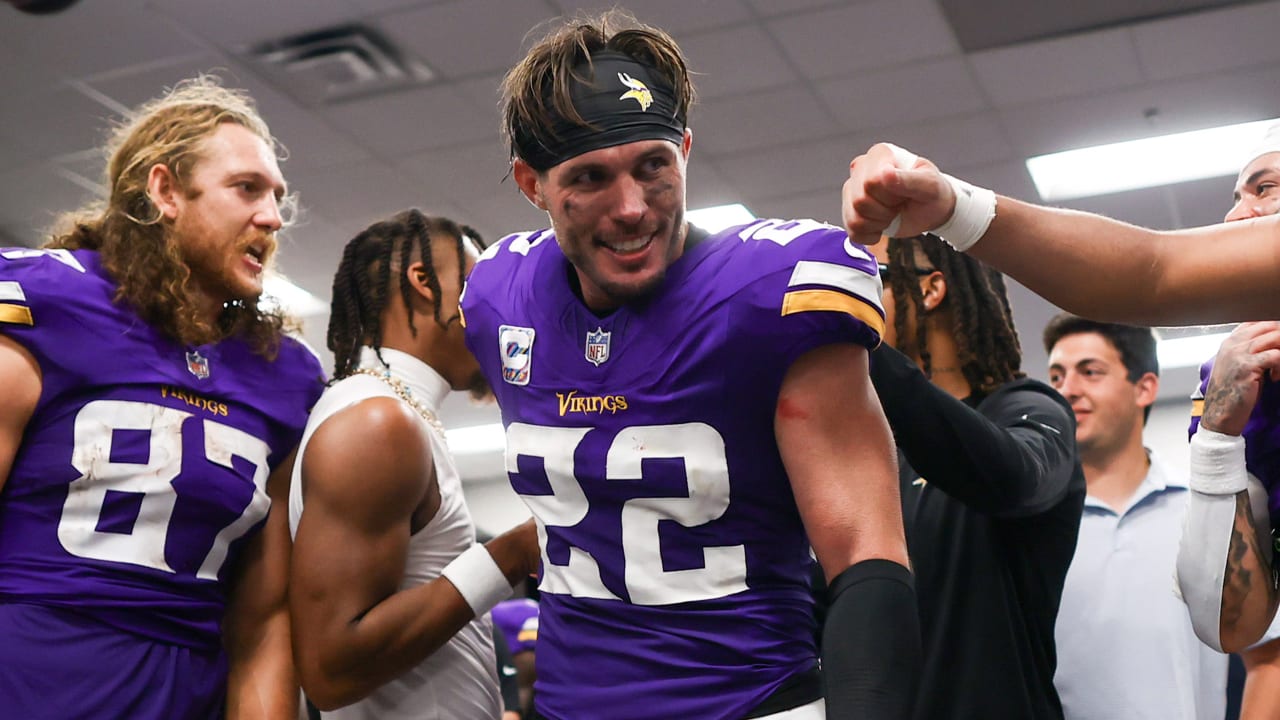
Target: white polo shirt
1125,644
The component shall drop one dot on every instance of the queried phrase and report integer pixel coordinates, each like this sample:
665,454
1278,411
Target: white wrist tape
478,579
975,209
1217,463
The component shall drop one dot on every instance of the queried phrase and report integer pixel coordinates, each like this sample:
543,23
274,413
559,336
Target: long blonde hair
128,230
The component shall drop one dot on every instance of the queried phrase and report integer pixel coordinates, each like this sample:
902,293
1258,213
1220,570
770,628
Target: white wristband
975,209
478,579
903,159
1217,463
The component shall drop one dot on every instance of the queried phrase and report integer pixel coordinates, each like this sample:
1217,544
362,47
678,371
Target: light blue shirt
1125,644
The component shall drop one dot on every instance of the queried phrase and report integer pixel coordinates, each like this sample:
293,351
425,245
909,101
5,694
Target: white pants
816,710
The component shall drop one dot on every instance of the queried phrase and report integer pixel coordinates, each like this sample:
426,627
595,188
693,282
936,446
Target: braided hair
982,321
371,263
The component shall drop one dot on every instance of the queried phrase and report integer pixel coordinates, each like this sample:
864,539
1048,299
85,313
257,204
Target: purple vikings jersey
1261,436
143,469
675,565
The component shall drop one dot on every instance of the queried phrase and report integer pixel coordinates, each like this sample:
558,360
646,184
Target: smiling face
618,215
1089,372
1257,191
226,215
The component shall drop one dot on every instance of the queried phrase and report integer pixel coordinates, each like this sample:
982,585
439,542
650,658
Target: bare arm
20,375
1261,700
1249,596
839,454
262,683
1088,264
361,503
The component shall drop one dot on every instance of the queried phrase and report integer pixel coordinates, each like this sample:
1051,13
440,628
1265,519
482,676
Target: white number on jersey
780,231
144,545
724,570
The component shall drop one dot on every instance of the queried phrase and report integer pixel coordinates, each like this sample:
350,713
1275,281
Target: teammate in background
517,619
148,421
1110,270
678,410
991,487
1126,647
1224,398
390,594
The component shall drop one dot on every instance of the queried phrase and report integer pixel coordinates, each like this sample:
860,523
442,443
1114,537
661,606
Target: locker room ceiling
789,91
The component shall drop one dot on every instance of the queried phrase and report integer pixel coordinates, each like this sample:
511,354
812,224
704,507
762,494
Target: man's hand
1248,355
887,182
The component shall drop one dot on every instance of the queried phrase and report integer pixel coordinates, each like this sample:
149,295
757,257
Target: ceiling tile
675,16
399,123
955,141
493,32
240,23
819,166
873,34
769,8
735,60
823,207
460,171
360,194
910,93
1069,66
1208,42
34,196
1122,115
74,42
53,120
706,185
749,122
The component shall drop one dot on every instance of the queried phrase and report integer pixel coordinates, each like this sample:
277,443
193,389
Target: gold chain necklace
403,392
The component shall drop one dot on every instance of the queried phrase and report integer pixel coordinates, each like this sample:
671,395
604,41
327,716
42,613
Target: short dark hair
1136,345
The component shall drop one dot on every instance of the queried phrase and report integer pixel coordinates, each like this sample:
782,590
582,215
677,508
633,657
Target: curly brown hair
547,71
137,245
982,321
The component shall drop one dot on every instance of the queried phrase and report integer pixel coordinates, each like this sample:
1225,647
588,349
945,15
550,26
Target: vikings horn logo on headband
638,92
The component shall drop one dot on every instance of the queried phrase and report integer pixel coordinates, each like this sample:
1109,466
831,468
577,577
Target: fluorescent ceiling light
291,298
715,219
477,439
1190,351
1150,162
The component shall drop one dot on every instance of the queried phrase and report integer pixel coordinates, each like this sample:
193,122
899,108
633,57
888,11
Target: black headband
622,101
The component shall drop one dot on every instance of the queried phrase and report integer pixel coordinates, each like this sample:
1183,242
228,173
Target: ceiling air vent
337,64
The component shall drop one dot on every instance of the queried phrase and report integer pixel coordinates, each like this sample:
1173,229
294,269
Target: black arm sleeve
507,680
871,652
1013,456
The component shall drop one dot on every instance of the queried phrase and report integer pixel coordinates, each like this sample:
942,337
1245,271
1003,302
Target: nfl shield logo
198,364
598,346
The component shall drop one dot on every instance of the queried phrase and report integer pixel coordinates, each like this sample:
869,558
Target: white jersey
460,680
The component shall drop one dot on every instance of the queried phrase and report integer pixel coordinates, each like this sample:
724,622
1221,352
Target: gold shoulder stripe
15,314
1197,408
798,301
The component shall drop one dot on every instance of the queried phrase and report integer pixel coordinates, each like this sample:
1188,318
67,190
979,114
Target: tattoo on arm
1242,572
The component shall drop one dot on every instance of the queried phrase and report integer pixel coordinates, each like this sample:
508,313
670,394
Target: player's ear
527,180
163,191
686,144
416,276
934,288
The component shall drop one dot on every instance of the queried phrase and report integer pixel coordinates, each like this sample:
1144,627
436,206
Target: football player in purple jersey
686,414
1238,399
147,433
390,593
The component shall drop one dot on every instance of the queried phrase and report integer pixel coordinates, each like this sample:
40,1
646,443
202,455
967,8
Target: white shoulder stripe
842,277
11,290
